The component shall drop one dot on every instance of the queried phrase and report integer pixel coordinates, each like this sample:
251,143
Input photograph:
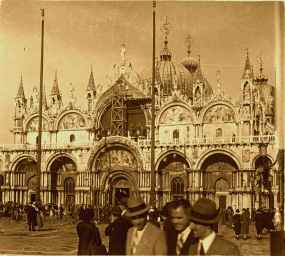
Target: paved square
61,239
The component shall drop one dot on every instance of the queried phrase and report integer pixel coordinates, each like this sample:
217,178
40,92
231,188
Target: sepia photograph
142,127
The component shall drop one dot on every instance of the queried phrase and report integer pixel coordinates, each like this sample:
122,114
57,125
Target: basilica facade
206,144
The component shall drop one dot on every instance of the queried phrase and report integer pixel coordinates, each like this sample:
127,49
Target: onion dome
170,75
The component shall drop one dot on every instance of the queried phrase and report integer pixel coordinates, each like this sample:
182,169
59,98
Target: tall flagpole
39,141
152,190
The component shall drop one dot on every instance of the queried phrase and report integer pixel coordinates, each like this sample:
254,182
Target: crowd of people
178,229
135,228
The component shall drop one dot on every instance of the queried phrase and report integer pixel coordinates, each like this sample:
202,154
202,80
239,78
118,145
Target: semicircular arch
76,120
211,152
108,177
112,142
31,124
181,111
55,156
269,157
19,159
163,155
231,115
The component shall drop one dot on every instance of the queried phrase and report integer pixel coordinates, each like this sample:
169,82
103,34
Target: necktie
134,242
201,249
179,244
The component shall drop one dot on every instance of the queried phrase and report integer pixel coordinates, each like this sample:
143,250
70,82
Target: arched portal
173,176
217,178
61,168
25,177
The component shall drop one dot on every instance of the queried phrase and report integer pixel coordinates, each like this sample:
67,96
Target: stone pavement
61,239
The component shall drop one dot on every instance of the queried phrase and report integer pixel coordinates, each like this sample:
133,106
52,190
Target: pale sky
84,33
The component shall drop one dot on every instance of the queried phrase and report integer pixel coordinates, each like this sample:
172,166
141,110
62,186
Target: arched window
69,186
219,132
222,185
176,135
72,138
177,188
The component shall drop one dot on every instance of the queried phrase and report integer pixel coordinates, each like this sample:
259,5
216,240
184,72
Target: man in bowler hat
143,238
203,216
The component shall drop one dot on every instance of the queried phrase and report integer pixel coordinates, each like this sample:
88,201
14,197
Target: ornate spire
189,63
21,93
165,53
91,83
198,73
55,88
248,69
261,77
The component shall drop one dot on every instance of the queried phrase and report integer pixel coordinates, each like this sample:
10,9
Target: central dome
172,76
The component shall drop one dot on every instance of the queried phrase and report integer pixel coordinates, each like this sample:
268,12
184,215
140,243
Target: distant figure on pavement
245,221
32,217
237,224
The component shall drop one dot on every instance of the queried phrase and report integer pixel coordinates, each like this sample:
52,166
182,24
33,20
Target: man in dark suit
117,231
203,216
179,234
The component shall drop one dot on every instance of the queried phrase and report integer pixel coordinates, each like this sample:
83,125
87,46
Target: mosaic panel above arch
115,158
33,124
219,114
71,121
176,115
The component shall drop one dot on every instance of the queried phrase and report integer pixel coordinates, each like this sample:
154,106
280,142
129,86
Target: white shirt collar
185,233
207,241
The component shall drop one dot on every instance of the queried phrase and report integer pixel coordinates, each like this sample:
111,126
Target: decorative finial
91,68
123,53
55,76
154,4
165,29
247,53
188,42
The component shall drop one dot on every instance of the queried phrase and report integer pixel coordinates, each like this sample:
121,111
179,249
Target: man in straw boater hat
204,215
144,238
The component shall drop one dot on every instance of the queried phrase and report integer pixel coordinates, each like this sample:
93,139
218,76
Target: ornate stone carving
116,158
34,124
71,121
219,113
176,114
